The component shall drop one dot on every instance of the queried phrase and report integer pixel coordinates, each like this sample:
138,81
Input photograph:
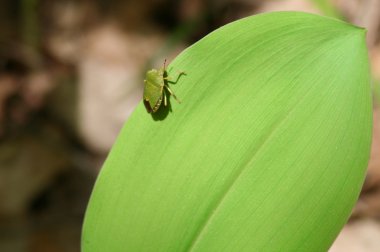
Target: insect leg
180,73
171,92
165,99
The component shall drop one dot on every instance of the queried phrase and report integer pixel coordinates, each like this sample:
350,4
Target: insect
155,84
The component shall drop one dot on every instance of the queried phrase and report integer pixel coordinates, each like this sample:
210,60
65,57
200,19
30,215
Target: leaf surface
266,152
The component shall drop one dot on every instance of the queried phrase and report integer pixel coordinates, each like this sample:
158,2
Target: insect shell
155,84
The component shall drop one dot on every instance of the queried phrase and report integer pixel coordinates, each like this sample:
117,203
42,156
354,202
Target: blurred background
71,73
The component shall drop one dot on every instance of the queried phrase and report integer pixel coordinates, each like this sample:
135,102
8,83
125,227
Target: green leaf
266,152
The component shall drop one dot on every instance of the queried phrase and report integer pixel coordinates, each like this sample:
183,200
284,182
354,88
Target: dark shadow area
163,111
56,213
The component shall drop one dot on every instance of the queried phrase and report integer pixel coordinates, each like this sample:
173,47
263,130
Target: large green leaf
267,151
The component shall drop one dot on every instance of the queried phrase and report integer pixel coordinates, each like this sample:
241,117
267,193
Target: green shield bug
155,84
